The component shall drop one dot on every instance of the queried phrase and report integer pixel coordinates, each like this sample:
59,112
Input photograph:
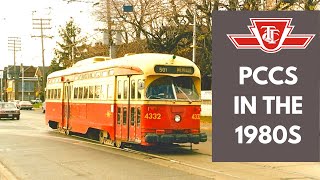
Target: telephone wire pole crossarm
14,44
42,24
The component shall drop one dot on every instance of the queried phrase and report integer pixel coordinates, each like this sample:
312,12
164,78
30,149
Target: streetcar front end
171,113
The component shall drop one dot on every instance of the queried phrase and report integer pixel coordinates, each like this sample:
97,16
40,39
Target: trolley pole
42,24
14,44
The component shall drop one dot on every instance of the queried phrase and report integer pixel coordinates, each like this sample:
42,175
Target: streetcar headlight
177,118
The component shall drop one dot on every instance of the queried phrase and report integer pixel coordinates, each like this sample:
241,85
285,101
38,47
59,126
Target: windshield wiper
184,94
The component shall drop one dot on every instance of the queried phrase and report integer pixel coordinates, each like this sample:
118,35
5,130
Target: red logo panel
271,35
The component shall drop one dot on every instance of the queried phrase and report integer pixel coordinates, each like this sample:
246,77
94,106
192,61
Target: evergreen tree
67,52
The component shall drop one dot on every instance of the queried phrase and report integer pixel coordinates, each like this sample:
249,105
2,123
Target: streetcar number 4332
195,116
152,116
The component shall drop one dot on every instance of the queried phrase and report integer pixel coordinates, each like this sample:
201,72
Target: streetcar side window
75,95
51,93
133,89
119,89
65,92
91,90
124,120
138,116
69,92
85,92
125,89
59,93
132,116
118,116
110,91
80,92
54,94
97,92
103,93
139,90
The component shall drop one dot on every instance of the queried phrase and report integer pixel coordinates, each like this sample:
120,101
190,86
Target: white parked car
37,100
25,105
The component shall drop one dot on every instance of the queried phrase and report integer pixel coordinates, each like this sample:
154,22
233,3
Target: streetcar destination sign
265,76
173,69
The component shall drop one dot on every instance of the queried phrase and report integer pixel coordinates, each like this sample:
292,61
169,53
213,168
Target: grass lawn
37,105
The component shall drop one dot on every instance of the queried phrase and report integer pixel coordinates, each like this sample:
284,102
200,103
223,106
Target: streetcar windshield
178,88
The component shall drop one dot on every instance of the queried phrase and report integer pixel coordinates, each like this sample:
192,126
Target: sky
16,21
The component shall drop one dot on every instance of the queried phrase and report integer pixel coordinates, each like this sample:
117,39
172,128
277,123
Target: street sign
127,8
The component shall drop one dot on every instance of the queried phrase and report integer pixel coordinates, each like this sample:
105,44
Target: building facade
20,83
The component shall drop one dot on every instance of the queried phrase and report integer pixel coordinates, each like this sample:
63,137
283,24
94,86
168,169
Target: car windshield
7,105
178,88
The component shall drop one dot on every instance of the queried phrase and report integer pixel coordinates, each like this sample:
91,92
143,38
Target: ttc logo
271,35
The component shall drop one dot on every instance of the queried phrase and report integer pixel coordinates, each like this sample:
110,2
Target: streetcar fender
176,138
152,138
203,137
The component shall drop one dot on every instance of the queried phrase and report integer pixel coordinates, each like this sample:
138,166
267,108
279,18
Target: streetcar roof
142,63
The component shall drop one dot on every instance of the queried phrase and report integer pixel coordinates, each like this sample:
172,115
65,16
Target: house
21,83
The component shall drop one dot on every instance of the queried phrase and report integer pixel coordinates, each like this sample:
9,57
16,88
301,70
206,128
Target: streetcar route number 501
265,134
163,70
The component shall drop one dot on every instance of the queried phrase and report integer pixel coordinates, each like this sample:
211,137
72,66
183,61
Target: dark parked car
25,105
9,110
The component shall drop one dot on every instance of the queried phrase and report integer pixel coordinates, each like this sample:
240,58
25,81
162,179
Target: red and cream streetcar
145,99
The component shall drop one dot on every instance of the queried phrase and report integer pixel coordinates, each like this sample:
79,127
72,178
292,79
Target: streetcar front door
122,108
134,112
66,105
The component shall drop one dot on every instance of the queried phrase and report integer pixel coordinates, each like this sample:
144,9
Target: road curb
5,173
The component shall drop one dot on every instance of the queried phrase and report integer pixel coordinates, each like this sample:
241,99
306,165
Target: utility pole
193,9
22,72
194,36
1,77
110,42
14,44
42,24
108,32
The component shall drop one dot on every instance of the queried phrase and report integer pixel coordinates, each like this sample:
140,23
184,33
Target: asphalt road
31,150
